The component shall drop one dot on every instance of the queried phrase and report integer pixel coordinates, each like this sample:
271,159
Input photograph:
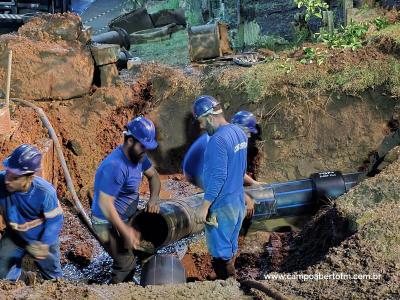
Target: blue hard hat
144,131
25,159
204,105
245,119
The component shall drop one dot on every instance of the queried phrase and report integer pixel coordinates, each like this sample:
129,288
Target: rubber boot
230,268
224,269
28,277
219,268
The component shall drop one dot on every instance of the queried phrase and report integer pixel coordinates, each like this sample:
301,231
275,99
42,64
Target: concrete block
108,75
105,54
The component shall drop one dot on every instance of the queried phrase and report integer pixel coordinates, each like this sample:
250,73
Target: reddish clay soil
94,124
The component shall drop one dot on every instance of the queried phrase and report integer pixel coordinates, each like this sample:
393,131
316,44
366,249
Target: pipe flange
125,41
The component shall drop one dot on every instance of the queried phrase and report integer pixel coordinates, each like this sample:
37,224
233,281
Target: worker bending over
116,195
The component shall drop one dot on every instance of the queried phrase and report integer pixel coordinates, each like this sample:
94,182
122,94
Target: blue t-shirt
225,163
117,176
35,215
193,162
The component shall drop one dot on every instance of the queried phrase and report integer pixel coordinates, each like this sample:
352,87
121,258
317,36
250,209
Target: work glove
38,250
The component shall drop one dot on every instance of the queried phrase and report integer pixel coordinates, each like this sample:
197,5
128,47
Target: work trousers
12,251
124,261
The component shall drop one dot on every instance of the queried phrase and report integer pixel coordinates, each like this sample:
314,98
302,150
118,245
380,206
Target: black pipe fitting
116,35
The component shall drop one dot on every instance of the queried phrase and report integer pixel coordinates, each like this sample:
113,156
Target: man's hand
249,206
153,206
202,212
131,237
248,181
38,250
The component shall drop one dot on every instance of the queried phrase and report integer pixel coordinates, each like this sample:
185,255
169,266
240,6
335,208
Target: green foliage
312,55
313,8
170,4
194,18
271,42
286,66
381,23
301,35
352,36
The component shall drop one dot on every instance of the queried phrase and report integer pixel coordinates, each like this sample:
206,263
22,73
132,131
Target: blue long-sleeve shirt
225,166
193,162
35,215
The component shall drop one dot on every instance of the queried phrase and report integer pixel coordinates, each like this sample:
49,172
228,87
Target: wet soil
90,127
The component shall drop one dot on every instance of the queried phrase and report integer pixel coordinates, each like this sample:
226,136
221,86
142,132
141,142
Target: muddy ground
330,117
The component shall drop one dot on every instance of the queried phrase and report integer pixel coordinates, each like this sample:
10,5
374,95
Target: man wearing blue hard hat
193,162
116,195
225,161
33,216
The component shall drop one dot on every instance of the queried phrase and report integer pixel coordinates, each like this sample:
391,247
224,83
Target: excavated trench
299,134
302,130
84,260
101,117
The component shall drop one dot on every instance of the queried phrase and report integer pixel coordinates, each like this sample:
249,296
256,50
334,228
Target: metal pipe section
272,201
117,36
174,222
301,197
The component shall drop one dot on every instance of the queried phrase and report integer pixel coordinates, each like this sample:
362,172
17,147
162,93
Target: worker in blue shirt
193,162
33,216
223,207
116,195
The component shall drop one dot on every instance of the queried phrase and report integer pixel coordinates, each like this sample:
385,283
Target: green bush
352,36
313,8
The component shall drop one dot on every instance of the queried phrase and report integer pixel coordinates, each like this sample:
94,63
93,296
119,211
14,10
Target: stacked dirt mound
62,290
368,215
48,60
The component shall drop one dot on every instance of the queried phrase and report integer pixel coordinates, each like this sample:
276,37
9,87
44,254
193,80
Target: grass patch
392,31
169,4
171,51
344,71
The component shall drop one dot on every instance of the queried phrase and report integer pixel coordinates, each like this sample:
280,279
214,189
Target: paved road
100,12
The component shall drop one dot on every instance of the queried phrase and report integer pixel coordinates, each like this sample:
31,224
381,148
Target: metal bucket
5,121
208,41
161,270
204,42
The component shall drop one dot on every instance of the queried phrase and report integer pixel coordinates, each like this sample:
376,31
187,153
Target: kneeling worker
33,216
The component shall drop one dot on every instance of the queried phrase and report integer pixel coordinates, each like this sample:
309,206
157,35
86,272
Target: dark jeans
12,250
124,261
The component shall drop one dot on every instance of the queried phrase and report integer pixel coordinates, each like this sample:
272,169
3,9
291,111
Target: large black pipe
174,222
117,36
272,201
300,197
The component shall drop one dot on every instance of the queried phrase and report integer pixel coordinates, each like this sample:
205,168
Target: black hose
270,292
76,202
